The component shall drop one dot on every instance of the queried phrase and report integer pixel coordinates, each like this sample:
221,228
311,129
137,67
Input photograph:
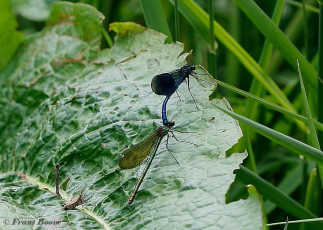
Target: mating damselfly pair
162,84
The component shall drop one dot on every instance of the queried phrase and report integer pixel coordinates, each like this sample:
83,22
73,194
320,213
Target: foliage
67,102
66,98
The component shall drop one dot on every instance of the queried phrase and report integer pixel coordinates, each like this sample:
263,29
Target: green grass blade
286,225
275,195
297,222
289,184
197,17
307,6
213,45
293,31
313,134
320,71
155,18
306,44
256,87
266,54
278,39
107,37
294,145
177,33
313,196
266,103
233,67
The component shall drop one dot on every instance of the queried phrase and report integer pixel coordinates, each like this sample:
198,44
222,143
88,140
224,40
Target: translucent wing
136,154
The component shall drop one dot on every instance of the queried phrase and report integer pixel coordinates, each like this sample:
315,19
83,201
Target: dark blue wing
163,84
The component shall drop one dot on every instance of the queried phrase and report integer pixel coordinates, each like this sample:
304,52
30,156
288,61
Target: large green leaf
91,110
45,63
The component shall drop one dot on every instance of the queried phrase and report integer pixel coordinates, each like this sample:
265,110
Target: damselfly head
187,69
163,130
